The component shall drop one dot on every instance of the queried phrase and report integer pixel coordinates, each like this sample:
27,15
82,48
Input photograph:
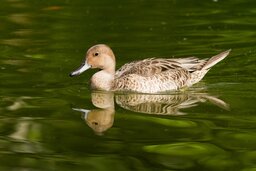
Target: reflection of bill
161,104
98,119
103,118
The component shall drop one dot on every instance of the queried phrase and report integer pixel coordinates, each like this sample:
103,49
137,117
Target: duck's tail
197,75
215,59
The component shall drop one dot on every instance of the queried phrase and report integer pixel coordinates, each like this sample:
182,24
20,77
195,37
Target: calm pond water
49,121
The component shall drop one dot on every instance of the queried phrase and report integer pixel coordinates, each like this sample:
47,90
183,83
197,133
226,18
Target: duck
151,75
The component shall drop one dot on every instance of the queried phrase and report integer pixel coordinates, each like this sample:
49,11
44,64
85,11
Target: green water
211,126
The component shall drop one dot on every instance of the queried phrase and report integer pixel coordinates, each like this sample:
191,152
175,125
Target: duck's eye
96,54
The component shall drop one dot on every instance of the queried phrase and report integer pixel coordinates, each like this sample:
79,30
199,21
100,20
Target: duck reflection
165,104
102,118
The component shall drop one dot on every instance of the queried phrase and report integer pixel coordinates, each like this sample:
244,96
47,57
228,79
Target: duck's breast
102,81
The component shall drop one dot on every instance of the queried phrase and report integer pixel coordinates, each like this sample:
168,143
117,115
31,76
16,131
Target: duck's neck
110,67
103,80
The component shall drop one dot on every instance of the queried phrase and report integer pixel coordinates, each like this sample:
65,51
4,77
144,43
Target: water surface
210,126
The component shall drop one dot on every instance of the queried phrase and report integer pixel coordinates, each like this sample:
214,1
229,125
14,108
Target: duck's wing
194,64
191,63
152,66
147,67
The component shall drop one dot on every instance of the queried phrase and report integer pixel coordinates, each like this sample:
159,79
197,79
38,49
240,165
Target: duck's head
99,56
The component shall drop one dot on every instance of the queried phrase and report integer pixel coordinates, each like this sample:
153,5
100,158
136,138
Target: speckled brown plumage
150,75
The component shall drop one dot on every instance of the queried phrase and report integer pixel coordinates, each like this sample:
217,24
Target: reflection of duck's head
100,119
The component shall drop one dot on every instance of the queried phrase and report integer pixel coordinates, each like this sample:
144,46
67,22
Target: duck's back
158,74
152,66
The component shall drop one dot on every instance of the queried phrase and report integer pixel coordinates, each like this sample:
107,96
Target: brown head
99,56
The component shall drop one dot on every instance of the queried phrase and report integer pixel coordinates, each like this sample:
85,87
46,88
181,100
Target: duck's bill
80,70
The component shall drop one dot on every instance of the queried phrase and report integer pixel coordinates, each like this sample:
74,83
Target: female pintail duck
146,76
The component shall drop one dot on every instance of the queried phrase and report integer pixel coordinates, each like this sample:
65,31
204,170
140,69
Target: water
208,127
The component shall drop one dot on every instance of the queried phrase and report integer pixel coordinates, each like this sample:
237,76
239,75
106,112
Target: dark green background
42,41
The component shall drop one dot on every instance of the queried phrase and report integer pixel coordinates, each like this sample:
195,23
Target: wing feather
153,66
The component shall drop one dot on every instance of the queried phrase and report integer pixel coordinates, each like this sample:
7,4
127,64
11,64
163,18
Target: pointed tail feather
215,59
